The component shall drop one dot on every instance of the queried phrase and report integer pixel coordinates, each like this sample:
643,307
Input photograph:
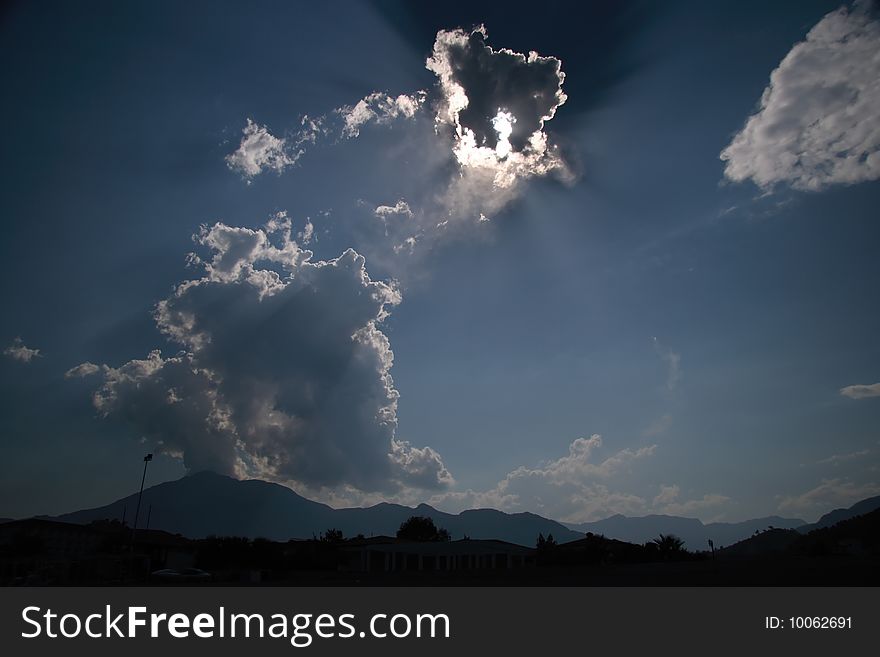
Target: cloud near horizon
829,494
818,123
577,488
283,373
668,501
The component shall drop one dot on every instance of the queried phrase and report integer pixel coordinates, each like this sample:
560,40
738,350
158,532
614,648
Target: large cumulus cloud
495,104
819,118
284,372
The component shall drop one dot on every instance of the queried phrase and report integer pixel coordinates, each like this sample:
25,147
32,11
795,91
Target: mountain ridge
207,503
695,534
833,517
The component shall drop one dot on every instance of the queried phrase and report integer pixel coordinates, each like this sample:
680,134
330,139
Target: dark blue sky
703,326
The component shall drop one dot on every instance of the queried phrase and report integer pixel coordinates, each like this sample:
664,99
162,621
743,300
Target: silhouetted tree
669,545
332,536
420,528
547,553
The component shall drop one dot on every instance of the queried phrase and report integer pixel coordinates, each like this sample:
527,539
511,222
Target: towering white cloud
284,372
491,108
19,351
496,103
818,123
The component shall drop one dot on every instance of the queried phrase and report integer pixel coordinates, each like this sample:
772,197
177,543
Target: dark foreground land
819,571
46,552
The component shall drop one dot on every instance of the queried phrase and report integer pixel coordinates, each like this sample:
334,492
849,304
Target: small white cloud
819,118
399,208
399,228
259,150
378,108
307,234
21,352
408,245
861,391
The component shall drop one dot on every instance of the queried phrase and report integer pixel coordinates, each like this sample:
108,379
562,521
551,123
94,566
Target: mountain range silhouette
693,532
206,503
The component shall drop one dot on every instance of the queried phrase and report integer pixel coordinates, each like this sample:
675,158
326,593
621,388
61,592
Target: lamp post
147,459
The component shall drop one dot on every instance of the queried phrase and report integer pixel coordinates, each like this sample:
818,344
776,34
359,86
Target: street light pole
147,459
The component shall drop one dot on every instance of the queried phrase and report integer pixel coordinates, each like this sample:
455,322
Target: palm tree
669,545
